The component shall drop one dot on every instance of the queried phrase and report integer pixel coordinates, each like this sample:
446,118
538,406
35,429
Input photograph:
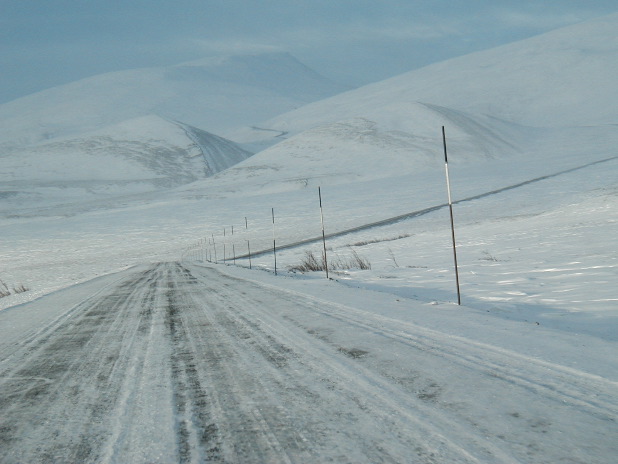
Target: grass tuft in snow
21,288
5,291
310,263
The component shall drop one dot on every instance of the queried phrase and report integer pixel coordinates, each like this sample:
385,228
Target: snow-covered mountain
215,95
143,129
378,153
361,149
138,155
513,100
564,77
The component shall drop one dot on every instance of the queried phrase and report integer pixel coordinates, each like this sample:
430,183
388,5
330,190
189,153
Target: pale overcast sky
44,43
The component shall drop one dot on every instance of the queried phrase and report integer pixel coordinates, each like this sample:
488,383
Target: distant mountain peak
279,72
217,95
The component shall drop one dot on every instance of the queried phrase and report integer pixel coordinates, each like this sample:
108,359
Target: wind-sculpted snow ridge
169,363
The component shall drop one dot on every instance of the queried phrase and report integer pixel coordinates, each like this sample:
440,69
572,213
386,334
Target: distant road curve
280,133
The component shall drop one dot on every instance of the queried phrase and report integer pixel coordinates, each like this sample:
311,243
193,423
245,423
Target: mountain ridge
560,78
141,155
188,92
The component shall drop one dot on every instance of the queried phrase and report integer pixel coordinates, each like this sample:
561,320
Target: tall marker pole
323,235
214,246
249,250
450,206
248,246
274,241
233,247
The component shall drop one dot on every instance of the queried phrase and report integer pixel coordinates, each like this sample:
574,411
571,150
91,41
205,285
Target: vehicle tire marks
194,425
583,391
574,393
64,418
232,427
346,391
183,364
591,393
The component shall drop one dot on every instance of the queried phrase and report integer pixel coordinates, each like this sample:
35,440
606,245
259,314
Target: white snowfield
135,331
175,363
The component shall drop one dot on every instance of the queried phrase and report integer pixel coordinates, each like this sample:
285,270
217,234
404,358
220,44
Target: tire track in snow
83,360
403,429
178,364
562,384
589,392
233,423
271,400
560,390
194,424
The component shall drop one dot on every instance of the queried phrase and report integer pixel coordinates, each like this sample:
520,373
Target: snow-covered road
175,363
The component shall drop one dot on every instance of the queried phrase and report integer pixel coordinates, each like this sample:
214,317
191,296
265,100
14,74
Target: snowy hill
362,149
139,155
564,77
494,104
215,95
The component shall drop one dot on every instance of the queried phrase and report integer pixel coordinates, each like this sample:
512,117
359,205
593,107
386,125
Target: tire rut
580,395
195,427
63,414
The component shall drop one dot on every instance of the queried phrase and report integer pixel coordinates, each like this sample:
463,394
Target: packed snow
525,370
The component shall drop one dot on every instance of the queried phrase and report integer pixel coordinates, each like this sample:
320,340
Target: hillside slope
214,95
521,100
139,155
361,149
564,77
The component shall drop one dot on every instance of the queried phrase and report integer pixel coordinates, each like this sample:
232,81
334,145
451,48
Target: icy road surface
187,364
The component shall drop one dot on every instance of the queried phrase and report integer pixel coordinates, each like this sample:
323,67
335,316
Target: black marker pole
323,235
274,240
450,205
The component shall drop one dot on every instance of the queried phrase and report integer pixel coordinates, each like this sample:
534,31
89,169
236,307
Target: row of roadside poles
199,252
212,256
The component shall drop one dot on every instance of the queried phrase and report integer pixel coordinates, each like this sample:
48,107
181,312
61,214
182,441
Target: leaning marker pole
450,206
